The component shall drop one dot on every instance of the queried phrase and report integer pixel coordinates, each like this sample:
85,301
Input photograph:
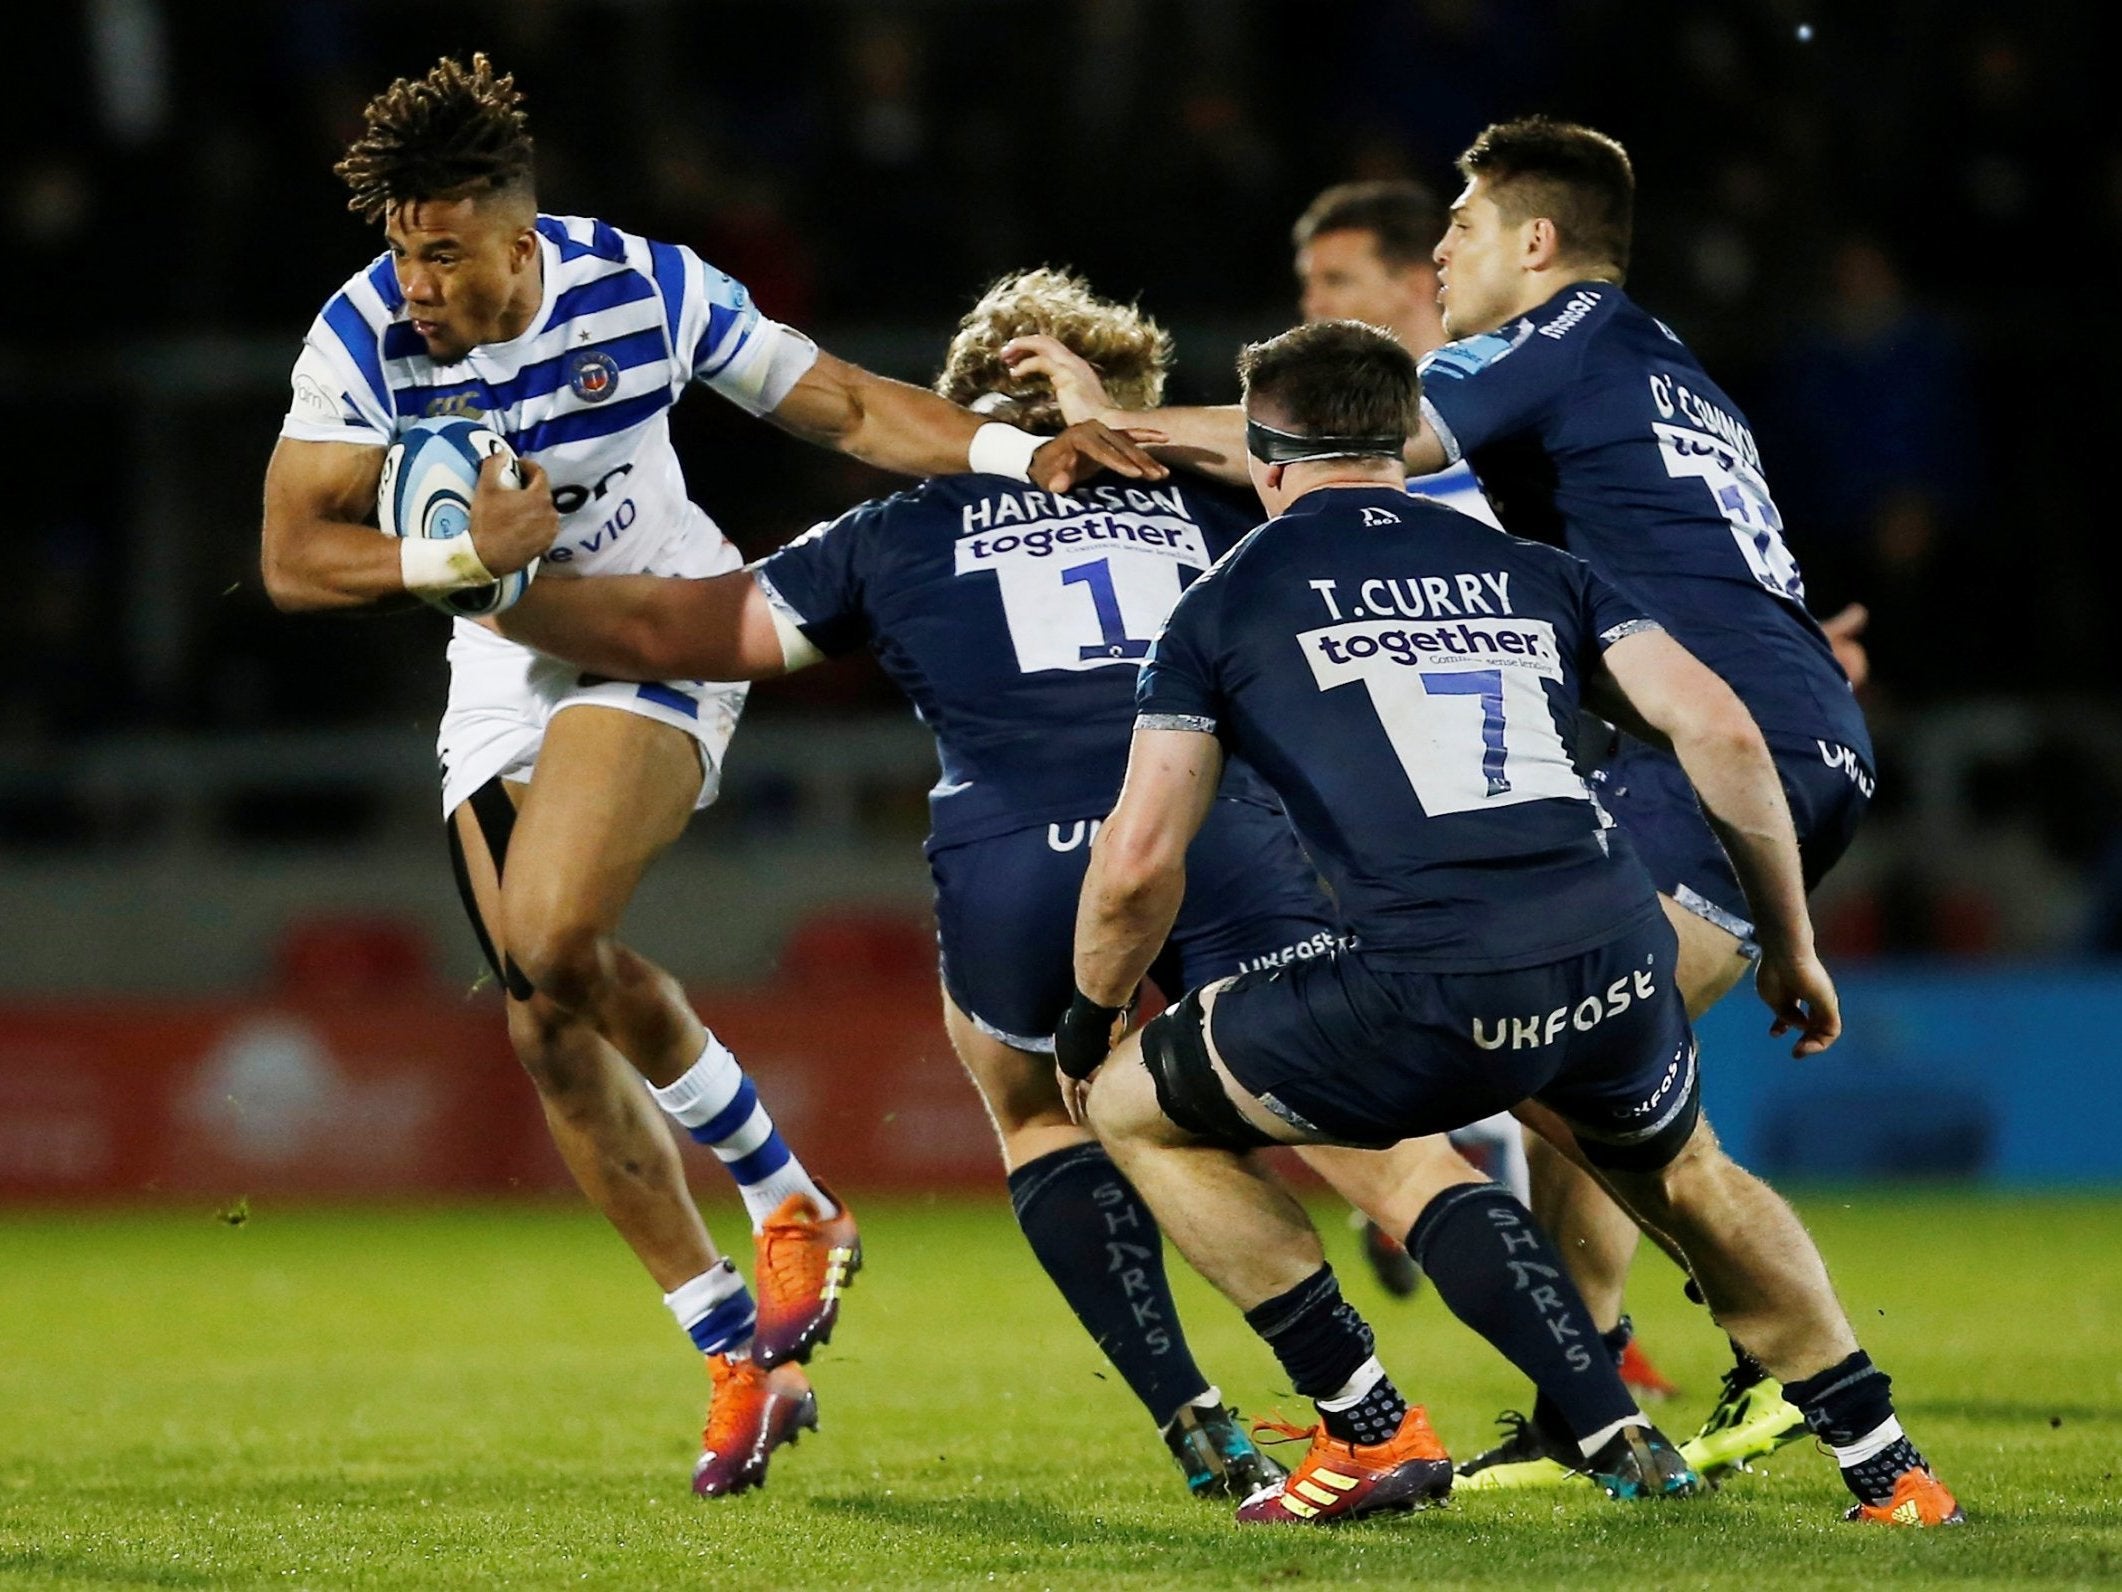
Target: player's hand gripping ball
429,476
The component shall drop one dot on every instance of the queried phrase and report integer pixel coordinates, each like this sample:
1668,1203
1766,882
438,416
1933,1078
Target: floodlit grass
494,1396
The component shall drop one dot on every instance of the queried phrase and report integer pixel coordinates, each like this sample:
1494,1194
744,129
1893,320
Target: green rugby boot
1752,1420
1527,1457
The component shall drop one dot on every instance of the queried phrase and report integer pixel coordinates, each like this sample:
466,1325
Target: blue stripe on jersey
384,279
533,381
604,293
720,317
582,424
678,702
359,341
604,242
400,341
670,278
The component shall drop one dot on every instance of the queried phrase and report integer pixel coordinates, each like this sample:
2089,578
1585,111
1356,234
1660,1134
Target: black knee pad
1175,1050
495,815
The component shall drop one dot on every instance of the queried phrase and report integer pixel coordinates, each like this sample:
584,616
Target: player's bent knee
1189,1092
1120,1106
566,962
1027,1108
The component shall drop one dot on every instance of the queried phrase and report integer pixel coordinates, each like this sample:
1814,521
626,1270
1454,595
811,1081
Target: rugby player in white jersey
572,339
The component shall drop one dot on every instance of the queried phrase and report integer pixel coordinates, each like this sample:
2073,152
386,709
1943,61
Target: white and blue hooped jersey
625,324
1456,488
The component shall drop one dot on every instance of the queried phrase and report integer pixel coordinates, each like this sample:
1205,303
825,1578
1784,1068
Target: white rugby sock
1606,1434
715,1310
1871,1445
719,1106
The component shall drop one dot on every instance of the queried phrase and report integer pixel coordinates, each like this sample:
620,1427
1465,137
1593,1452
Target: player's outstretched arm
653,627
901,427
1209,439
1137,869
1656,689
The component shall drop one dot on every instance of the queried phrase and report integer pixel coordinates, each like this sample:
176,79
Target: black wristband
1085,1035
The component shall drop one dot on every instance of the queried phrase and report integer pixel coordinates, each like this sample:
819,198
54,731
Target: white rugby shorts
502,696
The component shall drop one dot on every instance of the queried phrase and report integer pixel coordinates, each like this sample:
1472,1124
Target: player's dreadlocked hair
450,135
1577,177
1129,351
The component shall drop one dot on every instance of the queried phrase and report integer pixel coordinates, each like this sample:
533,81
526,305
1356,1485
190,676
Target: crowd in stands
1869,223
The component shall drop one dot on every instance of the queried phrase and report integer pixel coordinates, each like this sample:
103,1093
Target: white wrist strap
448,564
998,449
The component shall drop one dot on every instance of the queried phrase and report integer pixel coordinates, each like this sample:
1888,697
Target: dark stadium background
1888,228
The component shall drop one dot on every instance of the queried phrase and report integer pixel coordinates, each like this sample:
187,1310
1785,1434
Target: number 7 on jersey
1462,702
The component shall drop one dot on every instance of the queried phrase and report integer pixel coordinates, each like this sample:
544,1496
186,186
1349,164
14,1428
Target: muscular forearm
1743,799
1210,440
323,564
882,422
1121,920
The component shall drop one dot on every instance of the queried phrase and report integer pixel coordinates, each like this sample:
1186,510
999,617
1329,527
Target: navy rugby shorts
1364,1055
1829,788
1006,915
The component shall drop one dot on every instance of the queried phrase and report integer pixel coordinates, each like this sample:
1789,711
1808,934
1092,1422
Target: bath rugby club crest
593,374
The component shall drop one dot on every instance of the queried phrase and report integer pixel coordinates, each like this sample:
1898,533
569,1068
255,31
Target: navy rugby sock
1325,1348
1102,1248
1497,1272
1850,1408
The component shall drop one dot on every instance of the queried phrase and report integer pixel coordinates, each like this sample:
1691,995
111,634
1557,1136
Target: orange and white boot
1919,1499
1339,1481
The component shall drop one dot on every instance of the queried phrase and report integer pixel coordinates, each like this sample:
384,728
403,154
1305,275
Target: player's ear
1542,243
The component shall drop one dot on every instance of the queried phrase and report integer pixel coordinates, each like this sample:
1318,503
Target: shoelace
787,1255
1516,1424
1284,1431
721,1411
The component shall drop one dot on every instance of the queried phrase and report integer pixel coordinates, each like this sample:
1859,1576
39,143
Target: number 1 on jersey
1097,576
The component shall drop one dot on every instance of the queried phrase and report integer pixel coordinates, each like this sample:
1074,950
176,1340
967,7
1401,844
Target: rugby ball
429,476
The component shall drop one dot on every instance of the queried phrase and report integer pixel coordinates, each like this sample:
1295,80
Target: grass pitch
494,1396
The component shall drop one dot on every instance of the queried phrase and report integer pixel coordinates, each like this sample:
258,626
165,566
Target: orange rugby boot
753,1412
1919,1499
1642,1378
1339,1481
805,1263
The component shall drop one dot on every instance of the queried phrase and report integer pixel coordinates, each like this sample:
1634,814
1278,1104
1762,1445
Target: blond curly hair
1129,351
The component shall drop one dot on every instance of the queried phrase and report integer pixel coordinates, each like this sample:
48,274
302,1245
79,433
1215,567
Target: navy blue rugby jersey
1591,426
1016,619
1407,681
